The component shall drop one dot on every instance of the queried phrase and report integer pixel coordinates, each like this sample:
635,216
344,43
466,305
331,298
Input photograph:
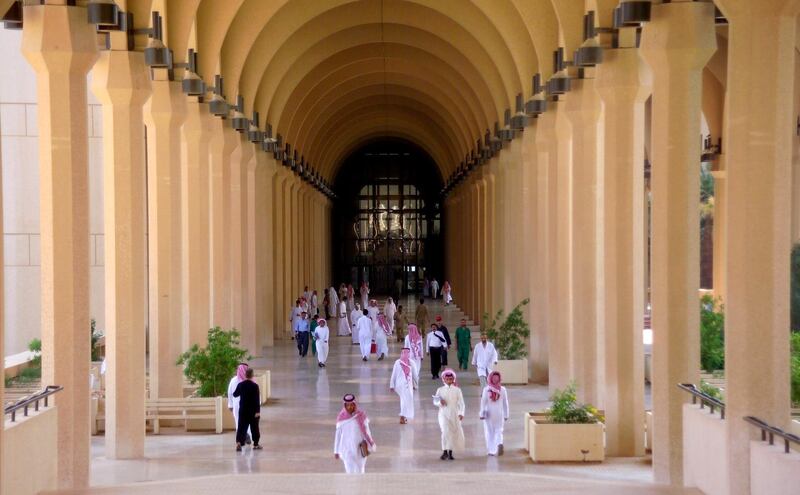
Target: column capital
166,105
58,39
623,76
680,35
744,11
120,78
583,103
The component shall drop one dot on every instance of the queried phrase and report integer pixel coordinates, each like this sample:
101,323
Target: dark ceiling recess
387,220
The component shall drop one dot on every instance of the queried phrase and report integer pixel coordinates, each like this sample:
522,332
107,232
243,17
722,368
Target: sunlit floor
298,428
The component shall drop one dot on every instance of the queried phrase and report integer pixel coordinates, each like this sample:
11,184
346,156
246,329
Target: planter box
515,372
528,419
550,442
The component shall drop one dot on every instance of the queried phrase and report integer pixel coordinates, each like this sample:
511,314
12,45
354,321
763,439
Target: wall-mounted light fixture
192,85
254,135
538,103
238,121
520,120
590,52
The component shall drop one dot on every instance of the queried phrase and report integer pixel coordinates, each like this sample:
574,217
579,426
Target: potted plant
212,367
509,339
568,431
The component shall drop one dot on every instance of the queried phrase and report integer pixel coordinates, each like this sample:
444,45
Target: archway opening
387,223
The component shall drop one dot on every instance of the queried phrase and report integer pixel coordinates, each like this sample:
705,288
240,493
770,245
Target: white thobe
381,342
416,352
447,295
389,310
372,312
348,437
404,386
233,402
494,414
364,297
452,432
355,315
364,327
321,335
314,305
434,289
344,325
484,358
295,315
333,301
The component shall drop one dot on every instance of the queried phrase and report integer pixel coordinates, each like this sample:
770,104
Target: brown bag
363,447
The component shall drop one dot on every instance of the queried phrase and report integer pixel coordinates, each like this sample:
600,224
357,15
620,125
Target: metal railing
25,403
768,433
705,399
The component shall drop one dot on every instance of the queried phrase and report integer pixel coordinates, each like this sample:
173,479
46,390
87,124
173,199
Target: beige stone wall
20,158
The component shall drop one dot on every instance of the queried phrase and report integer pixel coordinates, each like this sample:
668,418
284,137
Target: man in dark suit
249,411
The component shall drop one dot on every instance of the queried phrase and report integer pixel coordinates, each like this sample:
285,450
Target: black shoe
238,448
363,359
257,447
381,358
442,457
450,455
500,449
248,441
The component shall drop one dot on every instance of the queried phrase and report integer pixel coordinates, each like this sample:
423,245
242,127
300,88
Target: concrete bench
181,409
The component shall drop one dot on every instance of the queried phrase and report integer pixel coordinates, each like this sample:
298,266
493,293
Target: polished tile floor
298,427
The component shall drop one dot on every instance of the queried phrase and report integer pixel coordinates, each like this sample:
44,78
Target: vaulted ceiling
330,75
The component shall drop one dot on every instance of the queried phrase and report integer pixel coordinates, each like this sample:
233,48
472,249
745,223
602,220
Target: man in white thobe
484,357
389,309
343,324
494,413
434,288
333,302
233,402
321,334
364,327
403,382
450,401
352,428
355,315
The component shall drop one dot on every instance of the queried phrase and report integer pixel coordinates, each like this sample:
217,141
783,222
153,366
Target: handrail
705,399
766,429
32,399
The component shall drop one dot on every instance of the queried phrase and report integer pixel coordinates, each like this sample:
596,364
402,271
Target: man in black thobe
249,411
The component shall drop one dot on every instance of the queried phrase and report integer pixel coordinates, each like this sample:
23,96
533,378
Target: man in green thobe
463,345
314,325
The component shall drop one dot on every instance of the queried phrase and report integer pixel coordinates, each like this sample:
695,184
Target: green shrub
95,336
35,346
712,334
509,338
214,365
28,375
567,410
711,390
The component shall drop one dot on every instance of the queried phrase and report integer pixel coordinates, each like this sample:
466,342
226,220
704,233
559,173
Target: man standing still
463,345
249,411
301,330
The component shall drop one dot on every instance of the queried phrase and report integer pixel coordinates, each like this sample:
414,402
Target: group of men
244,401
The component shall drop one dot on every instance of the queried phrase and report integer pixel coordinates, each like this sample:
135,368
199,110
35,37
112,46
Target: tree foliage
509,337
712,334
795,369
214,365
567,410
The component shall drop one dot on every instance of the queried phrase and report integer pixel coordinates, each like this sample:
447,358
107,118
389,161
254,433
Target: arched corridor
205,163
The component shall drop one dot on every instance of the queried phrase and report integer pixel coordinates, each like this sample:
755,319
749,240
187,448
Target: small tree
712,334
214,365
509,338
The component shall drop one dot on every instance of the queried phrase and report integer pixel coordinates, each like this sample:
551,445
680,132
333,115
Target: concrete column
623,85
676,44
295,222
282,307
2,302
583,111
121,82
537,344
761,45
545,137
241,156
61,46
495,231
223,140
164,113
195,231
250,300
720,223
261,248
561,339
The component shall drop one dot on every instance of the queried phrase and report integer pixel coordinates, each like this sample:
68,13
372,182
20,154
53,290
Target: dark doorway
387,222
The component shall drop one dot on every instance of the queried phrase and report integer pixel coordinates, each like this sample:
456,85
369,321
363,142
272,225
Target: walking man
450,401
494,413
233,402
364,327
421,316
403,382
434,288
436,343
484,358
321,334
353,441
446,334
249,411
301,330
463,345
